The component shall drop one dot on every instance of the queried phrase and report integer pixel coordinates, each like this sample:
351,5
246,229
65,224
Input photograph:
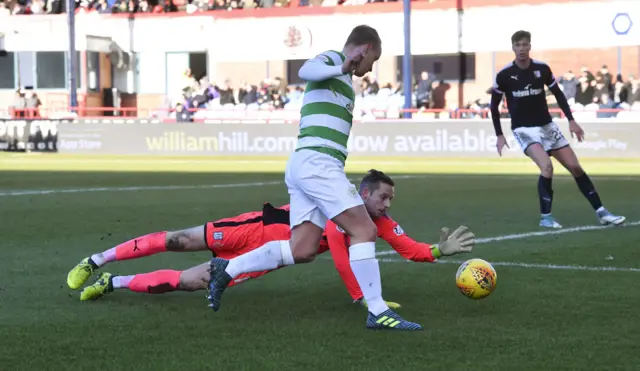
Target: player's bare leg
187,240
545,190
567,157
302,247
305,240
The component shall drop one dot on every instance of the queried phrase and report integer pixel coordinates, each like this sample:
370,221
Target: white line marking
129,189
35,192
529,265
520,236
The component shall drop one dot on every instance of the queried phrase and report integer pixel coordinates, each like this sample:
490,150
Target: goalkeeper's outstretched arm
461,240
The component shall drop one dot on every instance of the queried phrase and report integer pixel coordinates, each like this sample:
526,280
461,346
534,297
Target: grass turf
301,317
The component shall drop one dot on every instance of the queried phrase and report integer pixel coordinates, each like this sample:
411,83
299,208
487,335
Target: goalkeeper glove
461,240
390,304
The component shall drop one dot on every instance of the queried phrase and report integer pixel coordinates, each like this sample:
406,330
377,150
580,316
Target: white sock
104,257
121,282
98,260
600,209
367,271
271,255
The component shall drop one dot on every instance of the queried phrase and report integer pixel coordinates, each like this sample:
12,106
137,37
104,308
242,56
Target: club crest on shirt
349,107
398,230
353,192
218,236
537,74
323,58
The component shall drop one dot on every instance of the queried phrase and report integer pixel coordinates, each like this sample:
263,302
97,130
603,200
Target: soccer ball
476,279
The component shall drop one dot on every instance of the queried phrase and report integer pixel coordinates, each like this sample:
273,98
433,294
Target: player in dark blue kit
523,82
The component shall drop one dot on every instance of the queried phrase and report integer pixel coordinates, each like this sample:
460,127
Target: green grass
301,318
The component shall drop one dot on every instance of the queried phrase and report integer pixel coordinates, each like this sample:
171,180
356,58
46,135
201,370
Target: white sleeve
317,69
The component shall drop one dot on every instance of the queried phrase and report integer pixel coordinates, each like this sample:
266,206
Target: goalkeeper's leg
158,282
188,240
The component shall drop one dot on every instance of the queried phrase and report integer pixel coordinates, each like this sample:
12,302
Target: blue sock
545,193
589,191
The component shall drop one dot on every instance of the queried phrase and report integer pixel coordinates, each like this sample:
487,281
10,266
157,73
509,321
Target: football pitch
565,299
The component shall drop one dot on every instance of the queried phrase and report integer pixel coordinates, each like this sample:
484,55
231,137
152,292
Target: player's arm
410,249
461,240
497,91
552,83
320,68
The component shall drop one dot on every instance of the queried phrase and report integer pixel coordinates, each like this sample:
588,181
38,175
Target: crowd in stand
26,104
598,94
17,7
591,95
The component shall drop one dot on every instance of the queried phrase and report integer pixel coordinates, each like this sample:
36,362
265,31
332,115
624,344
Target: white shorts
549,136
318,188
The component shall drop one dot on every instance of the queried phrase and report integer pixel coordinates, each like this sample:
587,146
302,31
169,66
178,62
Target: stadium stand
594,92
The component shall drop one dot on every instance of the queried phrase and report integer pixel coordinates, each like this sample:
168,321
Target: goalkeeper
230,237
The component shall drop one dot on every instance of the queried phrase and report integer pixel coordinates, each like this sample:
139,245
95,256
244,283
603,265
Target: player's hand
501,143
351,61
461,240
576,130
390,304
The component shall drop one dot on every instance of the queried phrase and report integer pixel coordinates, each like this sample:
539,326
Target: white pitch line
35,192
129,189
529,265
519,236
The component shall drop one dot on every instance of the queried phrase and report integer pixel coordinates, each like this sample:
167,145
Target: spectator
584,72
37,7
620,91
19,104
169,6
18,9
607,80
200,96
248,94
182,114
605,103
423,90
32,103
226,93
4,11
295,94
438,94
370,86
143,7
584,91
569,85
264,98
600,87
102,7
277,100
634,90
210,91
